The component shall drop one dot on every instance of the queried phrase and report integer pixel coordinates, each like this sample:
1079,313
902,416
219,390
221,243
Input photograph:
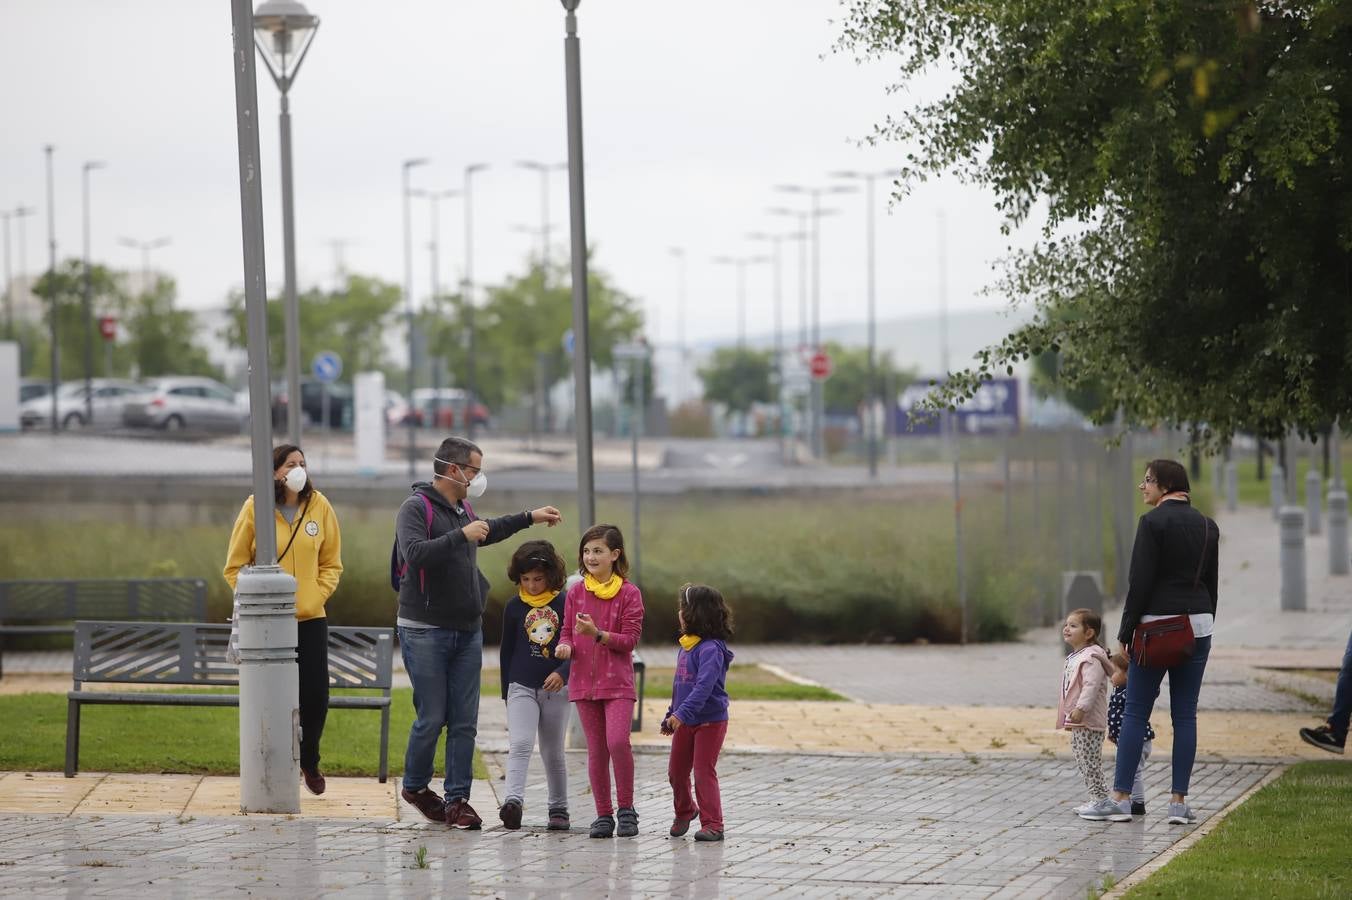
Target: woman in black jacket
1173,573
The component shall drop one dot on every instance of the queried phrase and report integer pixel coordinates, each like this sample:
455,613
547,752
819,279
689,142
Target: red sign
820,366
108,327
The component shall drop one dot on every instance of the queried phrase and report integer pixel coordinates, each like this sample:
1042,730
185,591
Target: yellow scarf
535,601
688,641
603,591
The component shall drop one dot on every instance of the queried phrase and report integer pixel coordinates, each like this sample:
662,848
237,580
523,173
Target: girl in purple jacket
602,621
697,719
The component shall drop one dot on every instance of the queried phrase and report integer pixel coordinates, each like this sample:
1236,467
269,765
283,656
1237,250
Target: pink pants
696,747
606,725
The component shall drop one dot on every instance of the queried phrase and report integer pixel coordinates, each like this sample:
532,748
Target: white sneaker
1181,814
1081,810
1108,810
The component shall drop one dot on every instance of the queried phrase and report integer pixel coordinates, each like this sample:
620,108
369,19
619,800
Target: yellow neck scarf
535,601
688,641
603,590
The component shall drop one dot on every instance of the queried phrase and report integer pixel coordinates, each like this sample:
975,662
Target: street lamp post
577,205
88,298
19,213
683,358
741,262
434,288
544,170
775,241
145,247
471,379
871,395
283,32
408,308
51,284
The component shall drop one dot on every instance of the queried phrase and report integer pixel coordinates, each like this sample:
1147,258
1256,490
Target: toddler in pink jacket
602,622
1083,708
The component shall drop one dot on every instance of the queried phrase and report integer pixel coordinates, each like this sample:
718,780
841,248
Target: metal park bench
188,654
45,606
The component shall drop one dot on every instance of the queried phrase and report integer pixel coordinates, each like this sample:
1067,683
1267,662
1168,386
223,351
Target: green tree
160,338
847,388
1190,158
63,290
738,377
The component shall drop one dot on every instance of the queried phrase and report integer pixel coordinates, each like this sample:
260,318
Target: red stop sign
820,366
108,327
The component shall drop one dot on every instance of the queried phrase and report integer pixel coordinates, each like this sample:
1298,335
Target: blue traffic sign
327,366
568,342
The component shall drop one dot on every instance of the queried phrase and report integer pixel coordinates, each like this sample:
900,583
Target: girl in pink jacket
602,621
1083,709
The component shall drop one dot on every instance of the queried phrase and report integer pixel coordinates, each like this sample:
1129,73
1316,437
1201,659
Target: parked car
442,407
33,388
71,410
177,402
397,410
341,400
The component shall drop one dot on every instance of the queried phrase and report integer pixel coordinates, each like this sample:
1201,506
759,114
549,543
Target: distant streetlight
434,251
408,307
51,283
88,298
775,240
544,170
283,32
871,395
19,213
145,247
678,253
741,262
471,381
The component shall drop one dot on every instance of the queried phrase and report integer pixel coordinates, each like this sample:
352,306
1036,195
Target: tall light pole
409,164
434,287
51,283
775,240
740,263
145,247
577,206
871,395
678,253
19,213
88,298
283,32
544,170
815,339
471,380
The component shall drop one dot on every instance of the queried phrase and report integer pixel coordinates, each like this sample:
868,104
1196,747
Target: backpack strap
1206,539
427,512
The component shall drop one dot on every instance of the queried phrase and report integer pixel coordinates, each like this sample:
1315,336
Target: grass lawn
1290,839
744,683
197,740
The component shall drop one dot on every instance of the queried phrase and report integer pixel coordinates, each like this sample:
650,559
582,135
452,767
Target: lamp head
283,30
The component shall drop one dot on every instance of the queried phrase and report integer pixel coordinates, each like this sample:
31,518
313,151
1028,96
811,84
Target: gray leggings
529,711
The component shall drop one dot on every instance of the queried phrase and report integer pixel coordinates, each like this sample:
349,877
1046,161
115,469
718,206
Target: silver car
174,403
109,395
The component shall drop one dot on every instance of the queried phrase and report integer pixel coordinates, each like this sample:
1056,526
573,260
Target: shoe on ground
314,781
1108,810
459,814
1181,814
1138,807
680,826
603,827
708,834
1324,738
628,817
426,802
1081,810
510,814
558,819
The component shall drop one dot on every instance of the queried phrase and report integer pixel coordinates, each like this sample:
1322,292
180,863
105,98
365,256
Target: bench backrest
182,599
193,653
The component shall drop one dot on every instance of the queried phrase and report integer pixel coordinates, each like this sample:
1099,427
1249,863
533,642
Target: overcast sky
693,111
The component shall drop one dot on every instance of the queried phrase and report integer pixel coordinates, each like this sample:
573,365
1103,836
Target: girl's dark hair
538,556
1089,619
704,612
1169,474
613,539
279,455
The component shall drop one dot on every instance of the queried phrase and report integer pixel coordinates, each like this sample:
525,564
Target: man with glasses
440,621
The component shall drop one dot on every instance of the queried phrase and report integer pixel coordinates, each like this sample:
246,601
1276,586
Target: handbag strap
300,517
1206,539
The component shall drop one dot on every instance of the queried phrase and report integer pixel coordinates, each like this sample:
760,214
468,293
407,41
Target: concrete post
1292,556
1313,510
1231,486
1338,560
1277,489
269,735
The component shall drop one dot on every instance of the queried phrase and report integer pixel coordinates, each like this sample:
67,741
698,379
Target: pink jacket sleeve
1092,673
631,622
569,613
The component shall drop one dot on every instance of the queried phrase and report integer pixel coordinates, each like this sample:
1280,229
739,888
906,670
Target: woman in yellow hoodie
309,548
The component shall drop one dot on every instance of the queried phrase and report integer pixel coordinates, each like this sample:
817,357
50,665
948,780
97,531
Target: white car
173,403
109,396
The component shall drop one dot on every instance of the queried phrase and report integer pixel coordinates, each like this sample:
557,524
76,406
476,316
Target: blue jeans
444,666
1342,696
1143,688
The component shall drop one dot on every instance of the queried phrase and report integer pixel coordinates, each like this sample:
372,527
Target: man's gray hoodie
443,585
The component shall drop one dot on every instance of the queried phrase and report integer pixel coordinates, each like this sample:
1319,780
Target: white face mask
296,478
474,488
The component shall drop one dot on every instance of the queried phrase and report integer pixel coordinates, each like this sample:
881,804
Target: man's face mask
474,488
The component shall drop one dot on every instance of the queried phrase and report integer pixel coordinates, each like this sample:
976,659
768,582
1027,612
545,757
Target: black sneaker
1323,738
459,814
628,817
1138,807
558,819
603,827
510,814
426,802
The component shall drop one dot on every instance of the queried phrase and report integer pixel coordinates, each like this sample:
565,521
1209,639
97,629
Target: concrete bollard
1277,489
1292,557
1231,486
1338,560
1313,511
269,693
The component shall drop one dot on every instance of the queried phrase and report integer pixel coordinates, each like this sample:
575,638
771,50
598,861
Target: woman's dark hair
538,556
613,539
279,455
1089,619
704,612
1169,474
